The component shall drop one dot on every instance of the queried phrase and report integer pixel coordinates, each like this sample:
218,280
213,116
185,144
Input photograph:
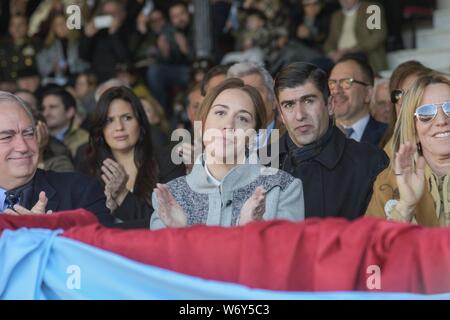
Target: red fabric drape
315,255
60,220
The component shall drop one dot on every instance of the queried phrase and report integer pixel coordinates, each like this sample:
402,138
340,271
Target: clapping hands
254,208
170,212
115,178
410,180
39,207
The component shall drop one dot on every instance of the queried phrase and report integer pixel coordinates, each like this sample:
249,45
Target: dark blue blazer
68,191
374,131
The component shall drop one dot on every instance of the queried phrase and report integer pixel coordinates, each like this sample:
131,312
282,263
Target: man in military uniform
17,52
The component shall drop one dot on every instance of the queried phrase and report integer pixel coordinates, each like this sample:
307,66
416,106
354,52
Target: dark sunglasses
428,112
396,95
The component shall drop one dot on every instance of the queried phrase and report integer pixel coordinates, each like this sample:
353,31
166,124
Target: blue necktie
349,131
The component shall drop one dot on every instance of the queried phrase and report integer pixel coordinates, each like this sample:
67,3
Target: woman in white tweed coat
227,187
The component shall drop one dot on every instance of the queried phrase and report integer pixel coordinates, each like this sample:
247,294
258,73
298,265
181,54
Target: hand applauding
170,212
115,178
39,207
254,208
410,181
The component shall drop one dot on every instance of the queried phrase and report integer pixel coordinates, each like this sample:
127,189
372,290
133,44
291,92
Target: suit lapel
373,132
367,131
41,184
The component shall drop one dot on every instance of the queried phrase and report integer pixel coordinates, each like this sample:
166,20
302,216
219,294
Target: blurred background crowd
163,48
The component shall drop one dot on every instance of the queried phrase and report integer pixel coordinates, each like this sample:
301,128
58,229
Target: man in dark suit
351,87
337,173
373,131
23,186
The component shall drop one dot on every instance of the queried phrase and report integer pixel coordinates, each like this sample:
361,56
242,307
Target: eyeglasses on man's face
428,112
345,83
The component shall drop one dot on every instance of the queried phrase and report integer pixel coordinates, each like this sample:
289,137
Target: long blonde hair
405,128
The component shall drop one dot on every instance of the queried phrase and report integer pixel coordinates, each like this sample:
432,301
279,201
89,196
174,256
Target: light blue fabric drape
34,264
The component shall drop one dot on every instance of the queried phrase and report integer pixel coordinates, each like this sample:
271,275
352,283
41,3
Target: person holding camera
104,42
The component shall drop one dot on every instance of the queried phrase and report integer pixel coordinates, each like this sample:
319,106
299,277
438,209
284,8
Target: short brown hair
235,83
403,71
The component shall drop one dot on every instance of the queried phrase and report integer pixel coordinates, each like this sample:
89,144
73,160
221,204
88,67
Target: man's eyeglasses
428,112
396,95
345,83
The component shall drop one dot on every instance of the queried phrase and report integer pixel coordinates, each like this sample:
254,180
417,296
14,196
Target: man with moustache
337,173
351,87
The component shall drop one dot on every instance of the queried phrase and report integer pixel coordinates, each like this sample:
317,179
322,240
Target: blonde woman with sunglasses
401,81
416,187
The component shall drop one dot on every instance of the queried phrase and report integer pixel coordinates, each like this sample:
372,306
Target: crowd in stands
287,118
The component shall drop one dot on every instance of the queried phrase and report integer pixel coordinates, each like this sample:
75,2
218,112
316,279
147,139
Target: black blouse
135,212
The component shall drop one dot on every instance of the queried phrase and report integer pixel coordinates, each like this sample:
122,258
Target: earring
419,149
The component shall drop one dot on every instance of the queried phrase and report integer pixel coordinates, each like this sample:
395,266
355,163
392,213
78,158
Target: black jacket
68,191
373,132
337,176
135,212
